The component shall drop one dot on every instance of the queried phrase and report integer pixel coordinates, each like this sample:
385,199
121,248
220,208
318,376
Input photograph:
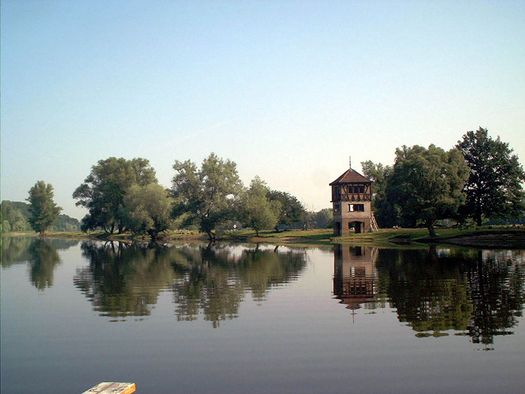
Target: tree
292,211
385,212
320,219
103,191
494,186
427,184
258,211
209,196
15,216
42,208
148,209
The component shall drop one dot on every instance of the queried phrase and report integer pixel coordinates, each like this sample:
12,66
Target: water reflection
40,254
436,291
126,280
355,277
123,279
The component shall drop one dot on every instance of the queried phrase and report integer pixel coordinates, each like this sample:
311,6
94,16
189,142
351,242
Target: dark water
247,319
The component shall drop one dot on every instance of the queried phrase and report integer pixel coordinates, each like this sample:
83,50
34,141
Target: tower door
355,226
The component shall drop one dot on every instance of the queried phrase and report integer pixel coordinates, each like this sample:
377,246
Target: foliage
148,209
42,209
291,211
494,186
258,211
103,191
15,218
320,219
208,196
65,223
384,210
427,184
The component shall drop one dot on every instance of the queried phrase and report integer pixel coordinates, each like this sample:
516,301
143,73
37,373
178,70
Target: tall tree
494,186
103,191
292,211
258,211
42,208
207,196
148,209
384,210
427,184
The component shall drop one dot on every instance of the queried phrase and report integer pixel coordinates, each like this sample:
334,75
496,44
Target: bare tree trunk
430,227
211,238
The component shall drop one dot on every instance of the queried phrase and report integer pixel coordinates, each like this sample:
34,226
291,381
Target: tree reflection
123,280
436,290
497,288
209,281
42,262
430,293
40,254
16,250
214,279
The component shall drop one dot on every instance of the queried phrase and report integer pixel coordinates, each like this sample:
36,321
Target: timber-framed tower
352,204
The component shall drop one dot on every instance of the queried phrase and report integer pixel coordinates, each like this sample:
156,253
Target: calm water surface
248,319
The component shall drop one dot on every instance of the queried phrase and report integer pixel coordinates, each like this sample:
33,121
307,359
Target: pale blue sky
286,89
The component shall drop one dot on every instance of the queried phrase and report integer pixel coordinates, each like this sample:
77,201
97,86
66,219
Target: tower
352,203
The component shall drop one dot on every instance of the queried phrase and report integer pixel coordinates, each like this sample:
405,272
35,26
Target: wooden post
112,388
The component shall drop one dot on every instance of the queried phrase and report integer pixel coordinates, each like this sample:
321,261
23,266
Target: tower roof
351,176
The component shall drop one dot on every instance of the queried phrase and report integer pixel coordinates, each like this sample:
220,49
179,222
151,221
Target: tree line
124,195
16,218
479,179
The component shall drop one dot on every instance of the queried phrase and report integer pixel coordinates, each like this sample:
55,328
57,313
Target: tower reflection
355,275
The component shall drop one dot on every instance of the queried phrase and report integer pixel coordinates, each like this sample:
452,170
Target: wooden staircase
373,224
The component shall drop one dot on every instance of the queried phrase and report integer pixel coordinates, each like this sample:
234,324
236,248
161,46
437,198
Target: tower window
356,208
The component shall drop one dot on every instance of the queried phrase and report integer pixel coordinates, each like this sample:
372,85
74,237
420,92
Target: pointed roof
351,176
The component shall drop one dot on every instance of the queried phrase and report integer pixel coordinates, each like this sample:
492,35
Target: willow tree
207,196
258,211
104,189
427,184
42,209
148,209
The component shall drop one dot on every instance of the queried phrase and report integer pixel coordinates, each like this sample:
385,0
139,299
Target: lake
239,318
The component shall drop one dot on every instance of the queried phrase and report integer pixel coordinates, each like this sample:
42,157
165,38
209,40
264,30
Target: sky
286,89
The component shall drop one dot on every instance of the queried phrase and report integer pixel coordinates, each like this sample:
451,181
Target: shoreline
494,238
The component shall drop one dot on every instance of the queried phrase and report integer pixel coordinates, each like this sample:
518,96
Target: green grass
383,237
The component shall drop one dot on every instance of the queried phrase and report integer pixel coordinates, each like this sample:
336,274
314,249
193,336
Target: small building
352,204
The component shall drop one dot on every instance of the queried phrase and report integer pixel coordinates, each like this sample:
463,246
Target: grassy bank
482,236
495,237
